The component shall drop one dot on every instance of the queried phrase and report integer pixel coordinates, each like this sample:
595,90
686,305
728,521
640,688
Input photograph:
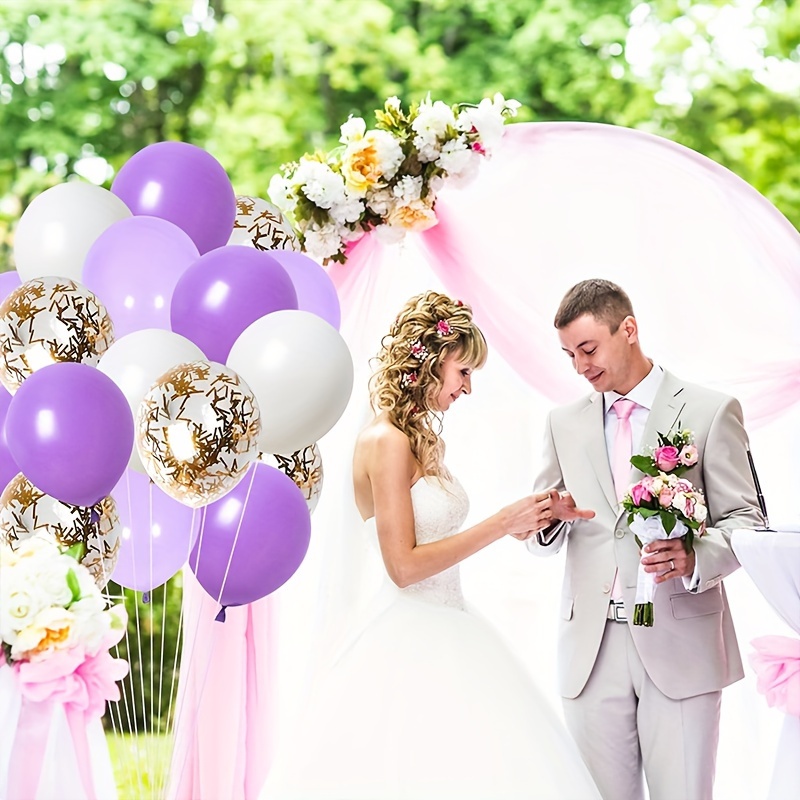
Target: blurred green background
86,83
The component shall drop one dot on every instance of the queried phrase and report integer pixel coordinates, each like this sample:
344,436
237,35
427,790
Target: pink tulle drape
712,266
225,714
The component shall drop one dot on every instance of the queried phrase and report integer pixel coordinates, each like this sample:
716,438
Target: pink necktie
623,444
620,462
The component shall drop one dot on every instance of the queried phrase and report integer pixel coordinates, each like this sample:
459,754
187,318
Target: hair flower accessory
419,351
408,379
387,178
443,328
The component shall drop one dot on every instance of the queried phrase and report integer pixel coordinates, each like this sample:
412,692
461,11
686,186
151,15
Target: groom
637,697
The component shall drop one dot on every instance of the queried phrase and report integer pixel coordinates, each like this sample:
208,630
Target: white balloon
57,229
136,361
301,372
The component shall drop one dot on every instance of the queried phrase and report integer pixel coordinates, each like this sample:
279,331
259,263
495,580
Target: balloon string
188,643
219,600
152,749
172,691
236,536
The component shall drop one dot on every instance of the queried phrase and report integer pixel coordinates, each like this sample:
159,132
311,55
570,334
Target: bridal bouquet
663,505
55,631
386,178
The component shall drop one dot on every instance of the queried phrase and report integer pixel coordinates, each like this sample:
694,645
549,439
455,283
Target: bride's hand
526,516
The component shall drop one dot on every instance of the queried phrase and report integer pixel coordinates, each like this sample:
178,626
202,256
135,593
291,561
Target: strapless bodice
440,508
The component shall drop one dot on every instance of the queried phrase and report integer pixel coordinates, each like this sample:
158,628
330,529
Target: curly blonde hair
407,381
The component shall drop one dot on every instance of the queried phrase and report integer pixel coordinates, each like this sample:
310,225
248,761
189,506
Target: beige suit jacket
692,647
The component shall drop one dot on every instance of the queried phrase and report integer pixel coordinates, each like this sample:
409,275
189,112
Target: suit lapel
593,434
664,414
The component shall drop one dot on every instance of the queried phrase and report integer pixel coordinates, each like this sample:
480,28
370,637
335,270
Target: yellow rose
50,629
414,216
361,166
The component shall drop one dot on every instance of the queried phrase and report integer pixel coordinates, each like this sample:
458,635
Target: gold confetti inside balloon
305,468
197,431
48,320
261,225
25,512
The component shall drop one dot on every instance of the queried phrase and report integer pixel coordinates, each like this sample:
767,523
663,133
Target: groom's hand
562,507
668,559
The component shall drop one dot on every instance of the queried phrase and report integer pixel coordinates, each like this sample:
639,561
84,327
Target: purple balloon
223,292
8,467
315,290
70,430
183,184
133,267
274,530
8,282
158,533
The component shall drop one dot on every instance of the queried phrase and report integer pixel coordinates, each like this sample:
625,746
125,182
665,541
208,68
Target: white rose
700,512
92,624
380,201
352,130
50,629
281,194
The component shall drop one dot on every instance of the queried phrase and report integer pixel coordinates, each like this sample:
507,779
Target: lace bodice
440,508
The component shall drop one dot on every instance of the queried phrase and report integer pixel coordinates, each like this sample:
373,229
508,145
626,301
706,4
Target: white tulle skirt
427,703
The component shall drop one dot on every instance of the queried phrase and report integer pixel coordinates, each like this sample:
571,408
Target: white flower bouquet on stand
57,674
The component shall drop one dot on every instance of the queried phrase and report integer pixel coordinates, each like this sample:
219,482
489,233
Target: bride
425,701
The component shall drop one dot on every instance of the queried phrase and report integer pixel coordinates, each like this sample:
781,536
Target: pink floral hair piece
408,379
419,351
443,328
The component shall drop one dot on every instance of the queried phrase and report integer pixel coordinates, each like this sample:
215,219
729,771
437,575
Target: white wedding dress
425,701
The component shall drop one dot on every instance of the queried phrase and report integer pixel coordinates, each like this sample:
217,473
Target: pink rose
666,458
689,455
640,493
665,497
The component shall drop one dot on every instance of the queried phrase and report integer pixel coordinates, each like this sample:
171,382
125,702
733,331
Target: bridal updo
407,381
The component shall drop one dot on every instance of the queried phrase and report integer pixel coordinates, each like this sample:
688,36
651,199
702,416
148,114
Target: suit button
619,533
606,588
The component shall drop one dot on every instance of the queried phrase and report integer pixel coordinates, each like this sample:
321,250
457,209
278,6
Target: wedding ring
672,565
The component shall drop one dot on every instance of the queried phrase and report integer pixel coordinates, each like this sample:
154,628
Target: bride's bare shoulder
381,439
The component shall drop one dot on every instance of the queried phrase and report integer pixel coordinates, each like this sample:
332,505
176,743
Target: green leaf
76,551
644,464
668,520
74,586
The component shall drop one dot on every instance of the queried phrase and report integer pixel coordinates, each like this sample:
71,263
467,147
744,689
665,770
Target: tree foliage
259,83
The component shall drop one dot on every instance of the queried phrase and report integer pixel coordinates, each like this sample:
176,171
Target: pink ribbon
776,661
81,686
27,752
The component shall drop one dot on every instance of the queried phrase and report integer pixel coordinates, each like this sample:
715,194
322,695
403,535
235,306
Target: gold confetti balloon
25,511
261,225
305,468
49,320
197,431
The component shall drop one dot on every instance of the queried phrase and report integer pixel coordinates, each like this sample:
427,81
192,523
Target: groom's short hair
604,300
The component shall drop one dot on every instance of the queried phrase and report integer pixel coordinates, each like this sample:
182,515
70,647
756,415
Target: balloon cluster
169,360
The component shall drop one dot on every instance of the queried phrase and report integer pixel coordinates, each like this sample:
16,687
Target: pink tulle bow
776,661
69,677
